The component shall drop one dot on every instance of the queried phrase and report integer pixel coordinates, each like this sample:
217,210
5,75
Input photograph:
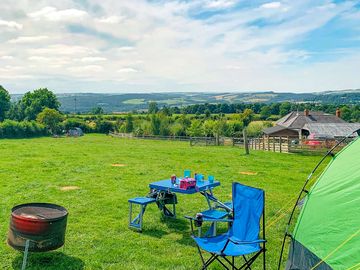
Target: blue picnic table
166,185
164,188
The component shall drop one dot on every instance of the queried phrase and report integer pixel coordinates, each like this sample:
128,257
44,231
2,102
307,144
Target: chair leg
246,261
174,209
201,256
264,259
141,216
210,261
130,213
222,263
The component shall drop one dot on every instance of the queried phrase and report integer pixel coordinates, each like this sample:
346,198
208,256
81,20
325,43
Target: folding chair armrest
239,242
217,220
191,219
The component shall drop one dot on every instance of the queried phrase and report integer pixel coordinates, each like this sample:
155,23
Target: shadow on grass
49,260
179,226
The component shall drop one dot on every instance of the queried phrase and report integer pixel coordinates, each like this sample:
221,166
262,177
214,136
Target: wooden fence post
263,142
246,145
288,144
280,144
274,138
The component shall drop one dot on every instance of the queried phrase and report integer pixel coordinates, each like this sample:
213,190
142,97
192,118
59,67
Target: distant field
85,102
134,101
34,170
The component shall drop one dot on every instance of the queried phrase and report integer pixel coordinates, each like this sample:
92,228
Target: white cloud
10,25
220,4
28,39
6,57
170,47
92,59
53,14
88,68
111,19
271,5
63,49
128,70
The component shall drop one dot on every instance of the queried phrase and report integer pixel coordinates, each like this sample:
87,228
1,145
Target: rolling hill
84,102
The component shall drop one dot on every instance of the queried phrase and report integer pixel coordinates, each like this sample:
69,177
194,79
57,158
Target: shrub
24,129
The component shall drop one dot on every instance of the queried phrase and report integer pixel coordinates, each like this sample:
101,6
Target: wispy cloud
220,4
53,14
271,5
10,25
28,39
223,45
128,70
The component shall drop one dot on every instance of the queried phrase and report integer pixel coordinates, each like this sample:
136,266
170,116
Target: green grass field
34,170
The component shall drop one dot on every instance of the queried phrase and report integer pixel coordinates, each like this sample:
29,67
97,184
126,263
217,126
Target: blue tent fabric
243,236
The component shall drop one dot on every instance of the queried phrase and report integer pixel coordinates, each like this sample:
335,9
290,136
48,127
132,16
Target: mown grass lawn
34,170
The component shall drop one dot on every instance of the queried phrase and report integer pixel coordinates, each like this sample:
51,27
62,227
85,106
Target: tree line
273,111
37,114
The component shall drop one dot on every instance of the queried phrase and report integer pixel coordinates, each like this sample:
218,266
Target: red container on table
187,183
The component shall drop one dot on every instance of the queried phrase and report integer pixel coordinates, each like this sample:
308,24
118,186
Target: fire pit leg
25,254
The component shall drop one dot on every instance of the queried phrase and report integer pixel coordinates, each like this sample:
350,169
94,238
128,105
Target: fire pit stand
37,227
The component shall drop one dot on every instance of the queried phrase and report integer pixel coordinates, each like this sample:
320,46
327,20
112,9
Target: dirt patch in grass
248,173
67,188
118,165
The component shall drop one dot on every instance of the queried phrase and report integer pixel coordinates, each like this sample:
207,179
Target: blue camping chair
242,238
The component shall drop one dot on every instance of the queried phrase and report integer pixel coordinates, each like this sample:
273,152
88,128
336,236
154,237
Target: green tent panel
327,232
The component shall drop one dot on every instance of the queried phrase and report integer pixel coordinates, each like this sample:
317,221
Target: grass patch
34,170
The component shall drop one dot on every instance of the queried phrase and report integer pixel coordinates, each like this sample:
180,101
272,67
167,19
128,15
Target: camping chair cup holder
211,216
242,238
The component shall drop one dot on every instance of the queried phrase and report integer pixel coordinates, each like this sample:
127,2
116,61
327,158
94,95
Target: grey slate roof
296,120
273,129
331,130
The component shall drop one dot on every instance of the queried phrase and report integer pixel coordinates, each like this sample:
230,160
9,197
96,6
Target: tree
129,123
209,128
35,102
166,110
164,129
285,108
265,112
4,102
153,107
246,117
346,113
177,129
155,124
51,118
15,112
207,113
97,110
195,129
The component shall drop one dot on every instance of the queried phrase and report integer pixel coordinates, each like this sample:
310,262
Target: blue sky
203,45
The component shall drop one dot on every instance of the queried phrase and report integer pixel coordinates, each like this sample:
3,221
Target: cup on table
211,179
187,173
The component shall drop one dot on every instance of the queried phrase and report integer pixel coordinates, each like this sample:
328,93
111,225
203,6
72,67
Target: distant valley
84,102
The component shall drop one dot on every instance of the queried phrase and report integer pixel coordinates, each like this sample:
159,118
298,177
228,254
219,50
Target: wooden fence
206,141
274,144
265,143
292,145
149,137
